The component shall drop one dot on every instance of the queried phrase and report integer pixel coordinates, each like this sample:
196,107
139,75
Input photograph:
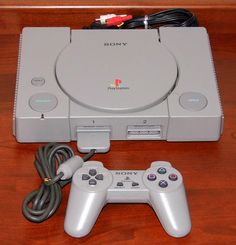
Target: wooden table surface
208,168
121,3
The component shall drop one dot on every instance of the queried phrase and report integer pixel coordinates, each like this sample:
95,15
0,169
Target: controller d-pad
85,177
92,182
163,183
99,177
92,172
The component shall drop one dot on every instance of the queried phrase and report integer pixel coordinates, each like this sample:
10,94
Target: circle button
193,101
173,177
43,102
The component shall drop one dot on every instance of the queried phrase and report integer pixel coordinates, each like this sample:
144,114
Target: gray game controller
161,186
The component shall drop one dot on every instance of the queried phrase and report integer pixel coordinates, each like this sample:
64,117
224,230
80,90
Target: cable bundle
42,203
171,17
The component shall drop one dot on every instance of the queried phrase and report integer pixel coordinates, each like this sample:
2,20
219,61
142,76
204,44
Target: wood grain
218,18
208,168
204,3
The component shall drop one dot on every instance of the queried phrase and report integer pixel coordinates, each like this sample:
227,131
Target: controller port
144,132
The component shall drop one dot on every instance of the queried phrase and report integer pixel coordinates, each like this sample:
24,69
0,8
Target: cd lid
102,74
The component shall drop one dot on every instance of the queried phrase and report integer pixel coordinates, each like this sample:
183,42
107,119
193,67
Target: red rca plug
118,20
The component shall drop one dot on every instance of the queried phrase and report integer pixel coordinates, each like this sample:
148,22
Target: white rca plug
113,19
104,18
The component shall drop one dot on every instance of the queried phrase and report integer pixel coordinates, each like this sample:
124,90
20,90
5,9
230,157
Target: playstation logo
118,84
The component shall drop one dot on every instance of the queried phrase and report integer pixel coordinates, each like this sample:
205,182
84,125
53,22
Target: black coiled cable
171,17
42,203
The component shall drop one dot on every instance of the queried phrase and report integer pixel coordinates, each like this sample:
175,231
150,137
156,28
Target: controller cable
55,164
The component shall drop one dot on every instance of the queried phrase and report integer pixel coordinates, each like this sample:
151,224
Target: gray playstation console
94,86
